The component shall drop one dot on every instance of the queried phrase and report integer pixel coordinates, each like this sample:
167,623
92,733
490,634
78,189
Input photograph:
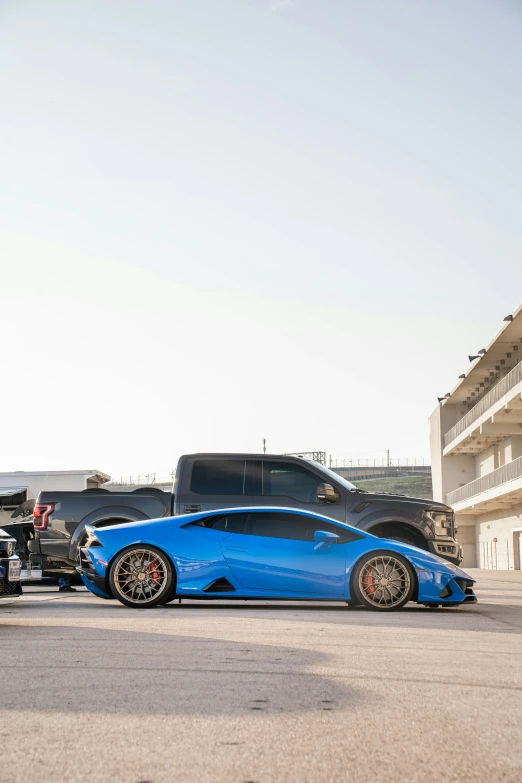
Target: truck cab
208,481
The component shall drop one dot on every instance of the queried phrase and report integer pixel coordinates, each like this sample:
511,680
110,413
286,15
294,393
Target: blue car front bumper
444,589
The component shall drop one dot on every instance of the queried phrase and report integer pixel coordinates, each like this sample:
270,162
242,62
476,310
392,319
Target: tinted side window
293,481
218,477
231,523
279,525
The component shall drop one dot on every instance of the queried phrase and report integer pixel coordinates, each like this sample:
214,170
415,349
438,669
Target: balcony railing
497,392
503,475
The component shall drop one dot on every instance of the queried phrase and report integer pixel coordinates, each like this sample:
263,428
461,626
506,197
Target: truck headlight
6,548
442,522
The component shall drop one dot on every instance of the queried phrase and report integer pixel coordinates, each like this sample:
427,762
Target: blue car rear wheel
141,576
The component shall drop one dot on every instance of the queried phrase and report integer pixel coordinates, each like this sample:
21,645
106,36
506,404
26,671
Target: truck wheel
383,581
141,576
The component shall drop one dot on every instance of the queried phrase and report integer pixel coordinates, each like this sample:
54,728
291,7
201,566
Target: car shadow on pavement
77,669
487,616
473,617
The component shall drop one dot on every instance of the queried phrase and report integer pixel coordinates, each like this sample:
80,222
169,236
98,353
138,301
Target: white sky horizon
227,221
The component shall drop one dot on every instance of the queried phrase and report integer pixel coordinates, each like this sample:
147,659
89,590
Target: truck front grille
9,588
446,549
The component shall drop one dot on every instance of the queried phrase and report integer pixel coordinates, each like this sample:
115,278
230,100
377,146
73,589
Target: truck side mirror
327,494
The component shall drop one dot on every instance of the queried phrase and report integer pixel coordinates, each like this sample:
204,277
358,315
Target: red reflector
41,515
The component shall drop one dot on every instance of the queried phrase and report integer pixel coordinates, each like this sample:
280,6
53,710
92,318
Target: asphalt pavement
257,693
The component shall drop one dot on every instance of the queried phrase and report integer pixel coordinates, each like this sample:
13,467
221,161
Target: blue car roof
185,519
279,509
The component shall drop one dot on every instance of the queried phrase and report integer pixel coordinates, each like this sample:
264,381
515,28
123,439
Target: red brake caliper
154,573
368,581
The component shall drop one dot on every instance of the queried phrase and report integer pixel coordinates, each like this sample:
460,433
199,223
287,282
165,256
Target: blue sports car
264,553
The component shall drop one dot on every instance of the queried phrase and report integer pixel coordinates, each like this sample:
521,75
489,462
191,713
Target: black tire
136,591
383,581
171,596
403,540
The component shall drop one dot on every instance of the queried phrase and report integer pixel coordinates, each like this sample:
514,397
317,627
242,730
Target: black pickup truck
214,481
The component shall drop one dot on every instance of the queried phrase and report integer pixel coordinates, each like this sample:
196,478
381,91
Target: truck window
289,480
218,477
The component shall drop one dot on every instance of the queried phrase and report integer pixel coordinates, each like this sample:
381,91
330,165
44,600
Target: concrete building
476,452
18,486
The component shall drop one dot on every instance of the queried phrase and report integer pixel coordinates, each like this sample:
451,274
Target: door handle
236,549
191,509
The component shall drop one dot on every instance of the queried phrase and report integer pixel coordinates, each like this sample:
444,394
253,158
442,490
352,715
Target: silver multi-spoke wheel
384,582
140,576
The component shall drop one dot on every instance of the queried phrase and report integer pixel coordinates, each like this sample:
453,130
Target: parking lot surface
259,692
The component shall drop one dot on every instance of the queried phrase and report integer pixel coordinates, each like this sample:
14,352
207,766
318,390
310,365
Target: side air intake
221,585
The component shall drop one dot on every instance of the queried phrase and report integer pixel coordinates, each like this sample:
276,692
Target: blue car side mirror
324,537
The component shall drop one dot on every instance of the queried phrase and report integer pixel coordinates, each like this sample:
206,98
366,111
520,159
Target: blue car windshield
336,477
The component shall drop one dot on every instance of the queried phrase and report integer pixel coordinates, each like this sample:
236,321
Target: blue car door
276,552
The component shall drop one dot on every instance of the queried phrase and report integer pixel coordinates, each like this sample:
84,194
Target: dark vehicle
215,481
16,513
10,567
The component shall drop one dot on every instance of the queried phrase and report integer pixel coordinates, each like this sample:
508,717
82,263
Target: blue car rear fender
92,587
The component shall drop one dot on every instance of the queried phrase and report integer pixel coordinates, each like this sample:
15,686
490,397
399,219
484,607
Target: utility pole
264,445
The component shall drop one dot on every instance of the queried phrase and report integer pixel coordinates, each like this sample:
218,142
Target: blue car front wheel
383,581
141,576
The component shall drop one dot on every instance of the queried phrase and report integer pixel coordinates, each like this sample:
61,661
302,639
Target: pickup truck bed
60,519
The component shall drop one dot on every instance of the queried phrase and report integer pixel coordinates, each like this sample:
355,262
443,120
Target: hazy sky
222,221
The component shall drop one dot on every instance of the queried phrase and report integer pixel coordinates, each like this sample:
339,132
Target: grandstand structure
361,472
352,469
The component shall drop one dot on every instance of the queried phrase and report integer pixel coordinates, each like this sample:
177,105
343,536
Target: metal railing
315,456
397,471
409,463
497,392
141,479
503,475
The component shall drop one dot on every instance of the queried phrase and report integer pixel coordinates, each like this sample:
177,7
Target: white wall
448,473
497,455
486,461
36,483
513,447
500,525
65,482
436,453
467,537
